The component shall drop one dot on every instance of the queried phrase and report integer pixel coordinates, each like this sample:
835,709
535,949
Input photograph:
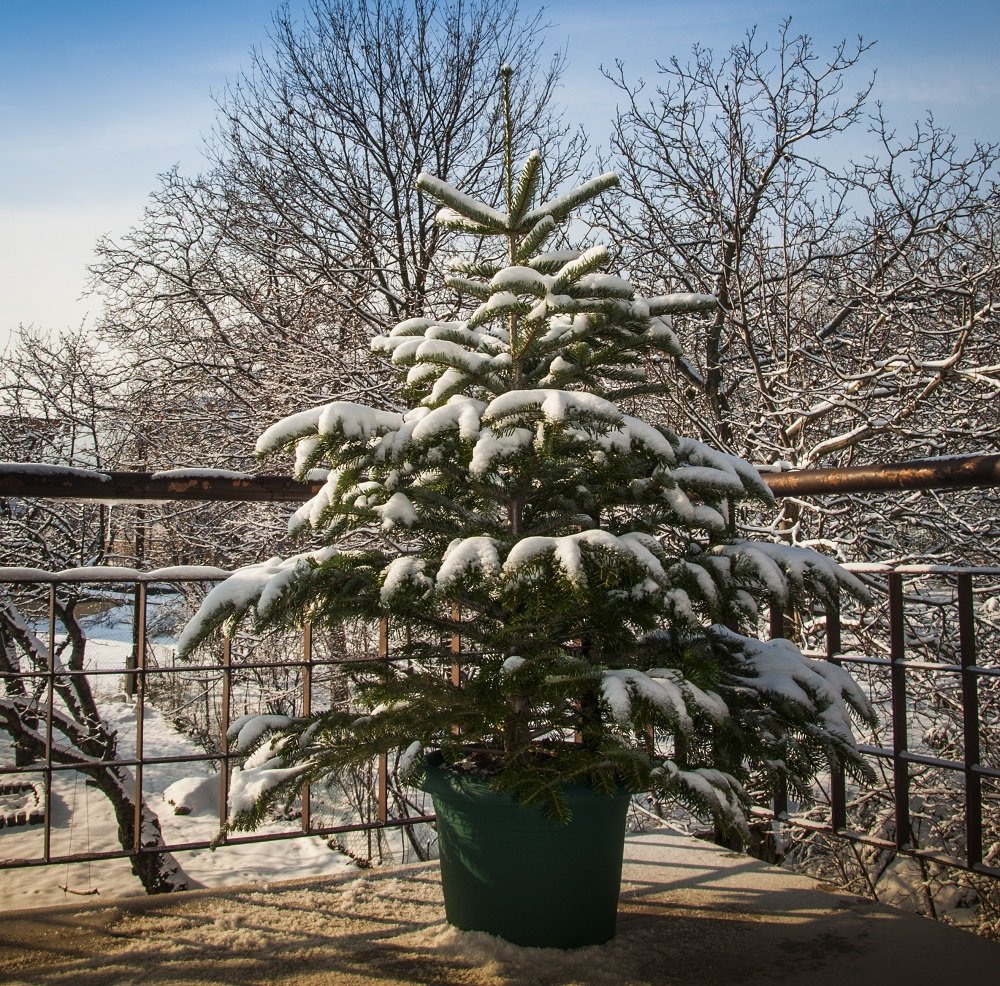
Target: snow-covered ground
82,819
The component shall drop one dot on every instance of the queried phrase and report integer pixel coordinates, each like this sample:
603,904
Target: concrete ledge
689,915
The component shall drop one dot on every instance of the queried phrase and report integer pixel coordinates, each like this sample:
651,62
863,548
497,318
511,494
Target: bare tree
857,319
857,323
80,738
60,405
257,285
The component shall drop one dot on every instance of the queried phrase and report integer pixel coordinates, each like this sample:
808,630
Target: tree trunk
158,871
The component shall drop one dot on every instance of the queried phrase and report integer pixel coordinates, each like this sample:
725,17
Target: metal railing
55,482
889,666
948,668
886,676
135,674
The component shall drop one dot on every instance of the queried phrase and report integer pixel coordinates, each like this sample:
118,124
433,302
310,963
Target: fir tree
585,555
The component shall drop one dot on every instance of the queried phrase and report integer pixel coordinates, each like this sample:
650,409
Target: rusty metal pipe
956,472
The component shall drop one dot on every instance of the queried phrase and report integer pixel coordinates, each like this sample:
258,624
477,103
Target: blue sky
99,96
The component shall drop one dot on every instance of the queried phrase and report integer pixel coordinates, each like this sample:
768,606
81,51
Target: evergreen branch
500,305
682,304
553,261
560,208
533,239
526,184
451,220
593,259
471,209
465,285
475,268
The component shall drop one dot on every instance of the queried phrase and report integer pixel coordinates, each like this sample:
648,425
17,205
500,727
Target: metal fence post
382,801
779,796
970,724
897,680
224,761
307,681
139,676
50,687
838,789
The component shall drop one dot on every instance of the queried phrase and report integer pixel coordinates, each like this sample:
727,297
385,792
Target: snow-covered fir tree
586,557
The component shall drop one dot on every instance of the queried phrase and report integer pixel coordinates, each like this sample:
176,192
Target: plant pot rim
440,777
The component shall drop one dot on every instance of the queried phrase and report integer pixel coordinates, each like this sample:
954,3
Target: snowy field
82,819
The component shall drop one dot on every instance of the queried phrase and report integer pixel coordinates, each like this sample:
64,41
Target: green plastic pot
511,872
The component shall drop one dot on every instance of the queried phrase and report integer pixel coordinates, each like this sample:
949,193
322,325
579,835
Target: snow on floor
82,819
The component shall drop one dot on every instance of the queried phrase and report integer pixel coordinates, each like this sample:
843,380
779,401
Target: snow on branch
262,775
560,207
821,690
695,453
569,553
554,405
780,568
464,205
338,418
705,789
526,184
475,554
573,270
621,687
521,280
682,304
260,586
532,240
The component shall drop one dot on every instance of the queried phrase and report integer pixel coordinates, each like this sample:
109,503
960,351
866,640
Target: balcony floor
690,914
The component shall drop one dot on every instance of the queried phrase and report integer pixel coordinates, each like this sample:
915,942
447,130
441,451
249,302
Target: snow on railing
114,573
